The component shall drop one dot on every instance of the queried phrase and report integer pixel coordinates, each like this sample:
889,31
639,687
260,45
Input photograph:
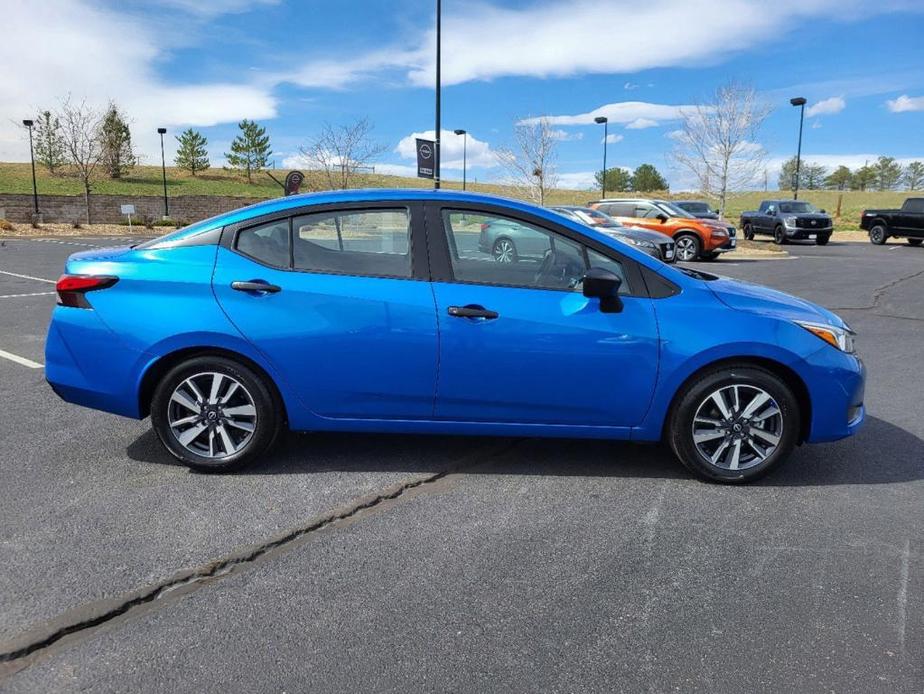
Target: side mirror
604,285
824,211
771,211
716,210
663,217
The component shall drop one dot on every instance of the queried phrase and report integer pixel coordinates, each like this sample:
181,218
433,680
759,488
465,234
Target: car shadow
880,454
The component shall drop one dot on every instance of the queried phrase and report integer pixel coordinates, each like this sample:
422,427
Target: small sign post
129,210
425,158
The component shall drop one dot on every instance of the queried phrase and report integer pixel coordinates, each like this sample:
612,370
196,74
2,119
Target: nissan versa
380,311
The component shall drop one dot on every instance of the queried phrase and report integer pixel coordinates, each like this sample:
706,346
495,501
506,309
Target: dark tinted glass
267,243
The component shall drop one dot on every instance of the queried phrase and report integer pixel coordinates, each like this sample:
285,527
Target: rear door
519,343
337,299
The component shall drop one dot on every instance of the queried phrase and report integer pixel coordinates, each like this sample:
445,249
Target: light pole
464,135
800,102
28,124
436,139
163,170
603,119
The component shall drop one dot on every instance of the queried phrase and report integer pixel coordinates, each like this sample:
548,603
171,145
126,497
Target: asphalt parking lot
396,563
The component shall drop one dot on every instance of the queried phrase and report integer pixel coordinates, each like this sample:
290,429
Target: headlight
790,222
719,233
639,242
842,338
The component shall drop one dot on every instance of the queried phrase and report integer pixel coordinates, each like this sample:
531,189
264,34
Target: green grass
146,180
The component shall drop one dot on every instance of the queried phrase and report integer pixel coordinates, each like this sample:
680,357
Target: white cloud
906,103
816,124
641,124
612,139
74,46
826,107
577,180
564,135
478,152
629,86
623,112
397,170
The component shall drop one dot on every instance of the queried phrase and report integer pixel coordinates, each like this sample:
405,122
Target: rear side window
914,205
373,243
267,243
618,209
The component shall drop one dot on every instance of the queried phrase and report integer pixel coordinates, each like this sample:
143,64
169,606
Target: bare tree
80,134
717,141
339,151
531,163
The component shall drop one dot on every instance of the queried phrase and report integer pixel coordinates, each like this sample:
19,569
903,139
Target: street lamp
28,124
464,135
603,119
163,170
800,102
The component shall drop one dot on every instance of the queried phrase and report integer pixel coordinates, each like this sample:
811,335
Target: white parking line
27,277
16,296
22,361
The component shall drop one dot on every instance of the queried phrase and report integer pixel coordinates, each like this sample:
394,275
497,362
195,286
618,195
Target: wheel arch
782,371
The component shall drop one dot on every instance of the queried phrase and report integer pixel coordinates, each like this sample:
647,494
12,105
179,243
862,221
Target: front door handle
472,311
256,287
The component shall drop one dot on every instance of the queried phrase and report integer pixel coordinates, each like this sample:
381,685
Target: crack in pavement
23,651
878,293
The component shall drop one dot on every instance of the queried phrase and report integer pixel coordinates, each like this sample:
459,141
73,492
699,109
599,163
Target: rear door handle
256,287
472,311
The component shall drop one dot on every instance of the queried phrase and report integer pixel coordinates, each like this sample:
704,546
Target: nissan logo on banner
294,181
424,158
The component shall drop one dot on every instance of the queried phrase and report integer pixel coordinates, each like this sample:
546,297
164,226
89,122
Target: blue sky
295,65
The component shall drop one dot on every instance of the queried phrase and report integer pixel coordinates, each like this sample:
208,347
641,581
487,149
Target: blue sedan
379,311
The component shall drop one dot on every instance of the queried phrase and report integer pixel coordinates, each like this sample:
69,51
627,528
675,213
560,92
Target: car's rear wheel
748,232
687,247
878,234
214,414
915,242
779,236
822,240
734,424
504,251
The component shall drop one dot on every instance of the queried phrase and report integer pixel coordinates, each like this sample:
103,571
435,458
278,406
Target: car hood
746,296
820,216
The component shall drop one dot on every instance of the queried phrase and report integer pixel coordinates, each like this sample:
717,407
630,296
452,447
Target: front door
335,300
519,343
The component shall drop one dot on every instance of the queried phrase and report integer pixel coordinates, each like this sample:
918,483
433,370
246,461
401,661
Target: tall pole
800,102
163,170
436,143
464,134
28,124
605,121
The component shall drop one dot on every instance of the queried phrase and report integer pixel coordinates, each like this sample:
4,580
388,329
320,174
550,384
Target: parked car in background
908,223
786,220
697,208
651,242
694,239
377,311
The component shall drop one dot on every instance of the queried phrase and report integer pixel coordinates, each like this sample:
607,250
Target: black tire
878,234
687,244
748,232
679,432
712,255
822,240
779,236
914,242
266,425
498,250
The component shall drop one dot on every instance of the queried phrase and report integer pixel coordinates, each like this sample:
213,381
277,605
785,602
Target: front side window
354,242
267,243
488,249
647,211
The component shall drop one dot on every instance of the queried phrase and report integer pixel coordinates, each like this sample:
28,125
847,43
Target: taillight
71,288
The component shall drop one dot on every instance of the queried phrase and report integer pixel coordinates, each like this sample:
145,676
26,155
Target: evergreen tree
864,178
914,175
50,149
787,177
840,179
617,180
116,142
813,176
647,178
888,173
250,150
192,154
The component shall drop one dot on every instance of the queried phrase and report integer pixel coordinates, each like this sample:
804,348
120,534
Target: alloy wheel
685,248
504,251
212,415
737,427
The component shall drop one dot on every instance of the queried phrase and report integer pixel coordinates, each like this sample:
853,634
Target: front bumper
836,383
802,234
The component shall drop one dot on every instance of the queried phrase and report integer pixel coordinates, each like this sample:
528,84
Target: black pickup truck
786,220
907,222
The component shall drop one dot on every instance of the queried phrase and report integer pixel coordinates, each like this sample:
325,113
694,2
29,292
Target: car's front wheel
748,232
915,242
822,240
687,247
734,423
779,236
214,414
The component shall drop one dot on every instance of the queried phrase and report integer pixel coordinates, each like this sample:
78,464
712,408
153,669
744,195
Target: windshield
596,218
797,207
695,206
672,209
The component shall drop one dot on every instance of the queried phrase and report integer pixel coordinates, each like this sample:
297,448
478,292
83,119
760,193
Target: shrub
5,225
75,225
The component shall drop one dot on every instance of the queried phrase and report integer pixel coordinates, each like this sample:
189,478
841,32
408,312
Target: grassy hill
146,180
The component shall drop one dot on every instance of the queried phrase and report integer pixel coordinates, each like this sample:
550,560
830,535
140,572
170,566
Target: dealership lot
397,563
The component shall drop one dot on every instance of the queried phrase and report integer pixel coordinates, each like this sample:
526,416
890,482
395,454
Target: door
339,304
519,343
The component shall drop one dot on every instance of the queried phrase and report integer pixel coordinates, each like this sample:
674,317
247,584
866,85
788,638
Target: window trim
417,242
441,261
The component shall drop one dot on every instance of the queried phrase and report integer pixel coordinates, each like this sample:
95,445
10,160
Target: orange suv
694,239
